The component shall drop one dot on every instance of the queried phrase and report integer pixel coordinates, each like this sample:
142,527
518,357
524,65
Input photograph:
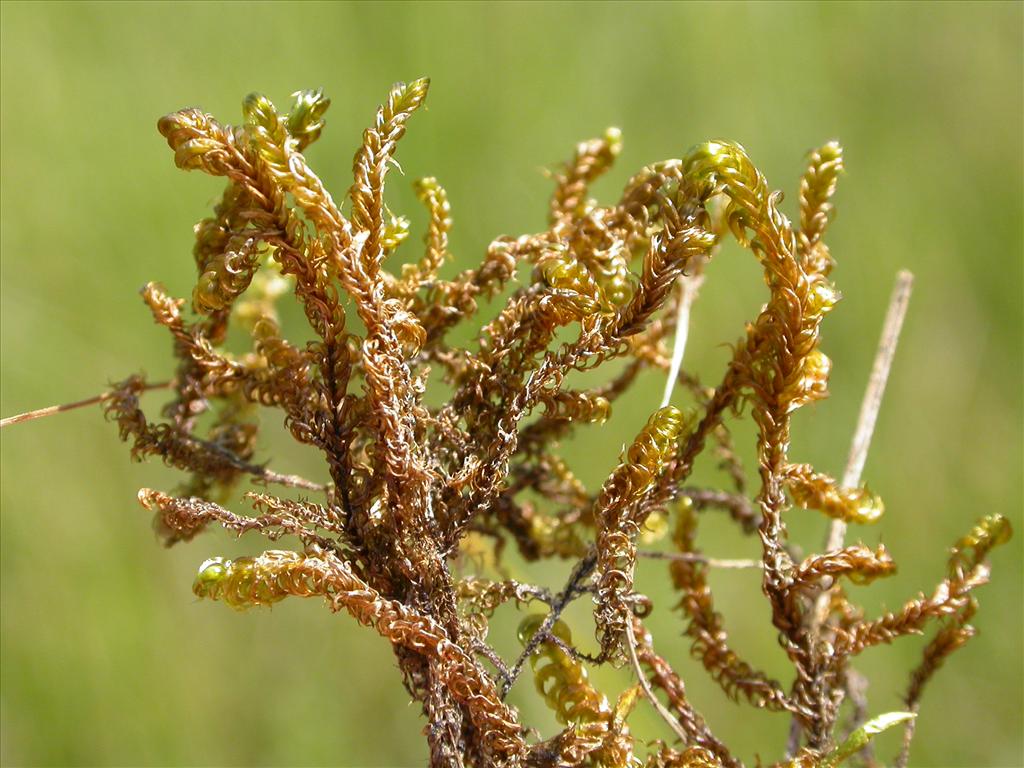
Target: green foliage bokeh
108,659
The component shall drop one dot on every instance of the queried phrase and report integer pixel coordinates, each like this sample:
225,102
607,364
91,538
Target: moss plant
413,486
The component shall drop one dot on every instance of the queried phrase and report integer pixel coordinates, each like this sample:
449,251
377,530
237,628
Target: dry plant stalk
412,486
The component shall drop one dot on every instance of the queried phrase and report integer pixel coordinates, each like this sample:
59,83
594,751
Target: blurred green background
108,659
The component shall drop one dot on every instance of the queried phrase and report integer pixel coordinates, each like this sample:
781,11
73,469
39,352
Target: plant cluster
412,486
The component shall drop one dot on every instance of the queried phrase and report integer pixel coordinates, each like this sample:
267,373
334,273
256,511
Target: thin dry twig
646,685
688,289
872,402
53,409
697,557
